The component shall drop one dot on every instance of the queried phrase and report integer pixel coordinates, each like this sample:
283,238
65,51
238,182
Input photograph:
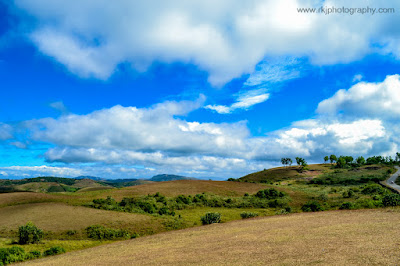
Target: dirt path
393,179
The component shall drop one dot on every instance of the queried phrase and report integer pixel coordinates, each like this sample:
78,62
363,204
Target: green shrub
373,189
54,251
277,203
246,215
35,254
391,200
29,234
270,194
312,206
100,232
348,193
368,203
323,197
71,232
346,206
56,189
211,217
13,254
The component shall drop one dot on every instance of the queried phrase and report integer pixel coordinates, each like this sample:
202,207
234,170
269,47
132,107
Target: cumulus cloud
314,138
380,100
244,101
147,129
227,39
138,142
158,138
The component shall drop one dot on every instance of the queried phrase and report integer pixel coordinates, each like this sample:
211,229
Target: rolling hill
361,237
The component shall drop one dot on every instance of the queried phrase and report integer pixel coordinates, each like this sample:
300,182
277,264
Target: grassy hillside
189,187
58,218
361,237
9,199
293,173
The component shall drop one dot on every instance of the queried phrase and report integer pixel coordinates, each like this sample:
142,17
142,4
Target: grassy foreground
361,237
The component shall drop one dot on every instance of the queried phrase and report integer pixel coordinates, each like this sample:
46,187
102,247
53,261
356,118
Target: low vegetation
72,212
17,254
161,205
211,218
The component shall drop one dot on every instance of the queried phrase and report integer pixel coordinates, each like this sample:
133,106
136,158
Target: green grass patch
193,216
68,245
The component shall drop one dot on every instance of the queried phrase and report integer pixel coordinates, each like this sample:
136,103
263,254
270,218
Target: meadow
357,237
157,207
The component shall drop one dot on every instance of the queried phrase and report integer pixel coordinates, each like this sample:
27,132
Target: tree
301,162
333,158
360,160
286,161
398,157
326,158
348,159
341,162
298,160
29,234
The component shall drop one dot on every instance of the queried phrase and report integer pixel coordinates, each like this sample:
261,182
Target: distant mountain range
156,178
81,183
165,177
89,177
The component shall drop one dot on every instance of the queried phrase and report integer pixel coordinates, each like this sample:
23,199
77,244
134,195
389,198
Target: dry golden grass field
358,237
59,217
24,197
187,187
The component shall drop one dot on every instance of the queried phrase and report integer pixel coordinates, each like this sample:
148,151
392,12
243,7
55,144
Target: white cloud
59,106
225,38
244,100
42,170
364,99
5,131
148,129
274,70
19,144
357,78
155,138
128,141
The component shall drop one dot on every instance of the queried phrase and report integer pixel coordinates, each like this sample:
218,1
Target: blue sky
203,89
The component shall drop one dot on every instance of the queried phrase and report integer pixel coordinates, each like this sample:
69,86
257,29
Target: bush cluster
270,194
246,215
337,180
17,254
54,251
210,218
159,204
391,200
312,206
346,206
101,233
373,189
